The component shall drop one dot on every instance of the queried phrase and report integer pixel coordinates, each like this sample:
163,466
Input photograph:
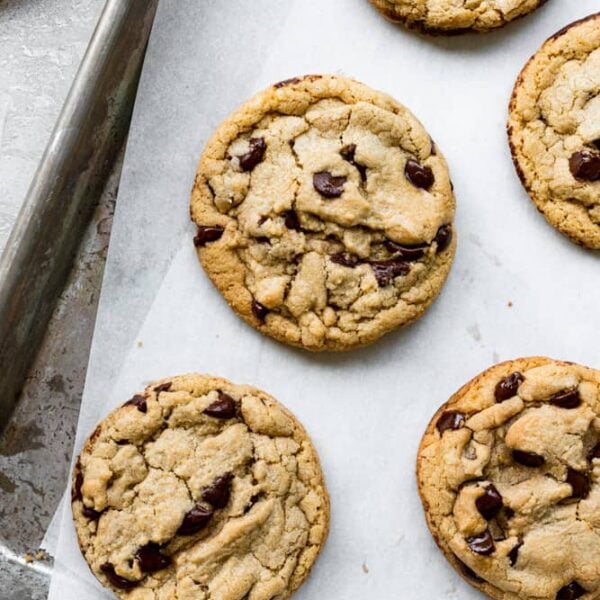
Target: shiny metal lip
84,149
89,132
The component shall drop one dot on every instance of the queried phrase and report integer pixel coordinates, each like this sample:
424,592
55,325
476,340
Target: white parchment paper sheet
367,409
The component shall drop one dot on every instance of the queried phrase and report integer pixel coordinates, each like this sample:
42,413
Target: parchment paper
517,287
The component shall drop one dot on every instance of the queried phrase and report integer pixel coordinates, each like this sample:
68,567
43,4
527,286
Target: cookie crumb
365,568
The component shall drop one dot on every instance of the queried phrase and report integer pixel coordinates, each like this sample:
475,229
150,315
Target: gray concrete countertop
41,45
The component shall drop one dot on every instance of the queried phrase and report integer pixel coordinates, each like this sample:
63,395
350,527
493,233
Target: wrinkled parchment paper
517,287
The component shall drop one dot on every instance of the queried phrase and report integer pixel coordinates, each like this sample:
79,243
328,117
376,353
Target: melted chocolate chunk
509,513
223,408
255,154
468,572
90,513
580,482
345,259
566,399
163,387
585,165
406,253
570,592
260,311
450,420
507,388
207,234
348,152
290,218
76,489
443,237
139,402
419,175
194,521
151,559
116,580
513,555
482,544
285,82
327,185
490,503
253,500
528,459
386,271
594,452
597,143
218,492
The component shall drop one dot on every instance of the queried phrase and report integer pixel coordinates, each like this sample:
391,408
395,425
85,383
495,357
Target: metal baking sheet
516,288
47,305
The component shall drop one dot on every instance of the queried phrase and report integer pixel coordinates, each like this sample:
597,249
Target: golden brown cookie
450,17
509,475
199,488
324,213
554,130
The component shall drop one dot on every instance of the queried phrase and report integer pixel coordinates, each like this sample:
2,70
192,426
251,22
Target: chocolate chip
419,175
116,580
348,152
163,387
585,165
594,452
443,237
450,420
139,402
195,520
218,492
508,387
207,234
406,253
90,513
490,503
509,513
151,559
255,154
345,259
580,483
528,459
327,185
290,218
570,592
76,489
223,408
597,143
285,82
386,271
253,500
513,555
468,572
566,399
482,544
260,311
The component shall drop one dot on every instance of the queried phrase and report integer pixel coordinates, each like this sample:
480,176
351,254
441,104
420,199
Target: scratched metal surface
36,446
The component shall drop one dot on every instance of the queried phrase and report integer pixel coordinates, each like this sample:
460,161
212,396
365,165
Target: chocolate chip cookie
324,213
554,130
453,17
198,488
509,475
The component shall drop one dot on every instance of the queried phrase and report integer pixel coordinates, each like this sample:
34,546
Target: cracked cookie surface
509,475
554,130
199,489
324,213
455,16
